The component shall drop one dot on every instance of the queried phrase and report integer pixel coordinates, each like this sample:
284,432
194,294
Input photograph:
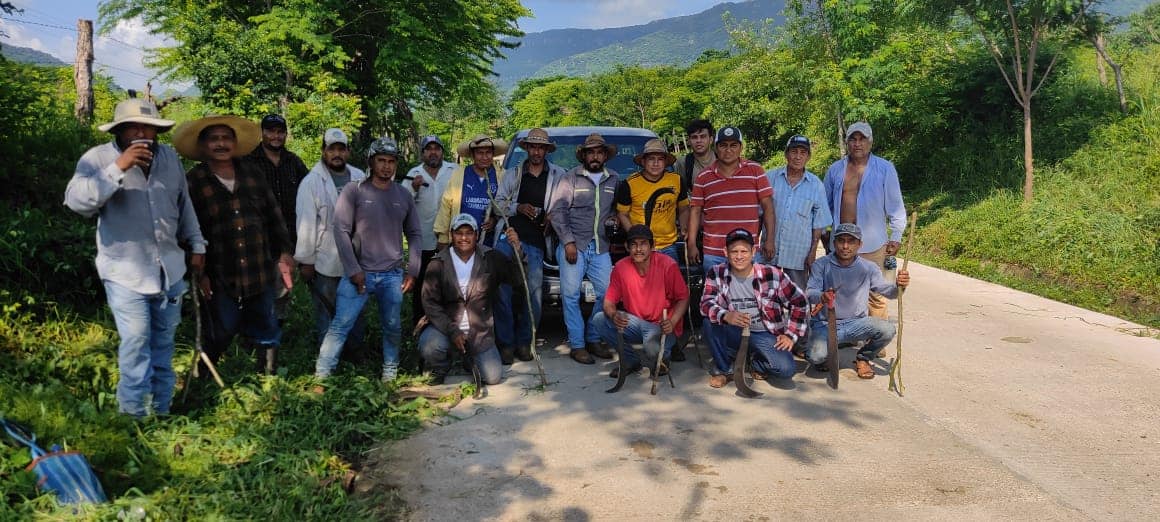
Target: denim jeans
146,325
512,326
435,347
876,332
725,339
598,268
672,251
252,316
327,288
638,331
387,288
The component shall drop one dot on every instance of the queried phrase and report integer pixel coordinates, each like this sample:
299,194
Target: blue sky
49,26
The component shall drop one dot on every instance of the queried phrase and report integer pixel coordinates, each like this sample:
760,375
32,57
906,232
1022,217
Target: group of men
250,212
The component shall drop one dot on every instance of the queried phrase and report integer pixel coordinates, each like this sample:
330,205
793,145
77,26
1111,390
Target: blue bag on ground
65,473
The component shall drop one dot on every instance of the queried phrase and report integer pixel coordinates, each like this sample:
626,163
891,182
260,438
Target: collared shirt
427,197
283,179
141,221
729,203
800,209
579,208
245,229
879,201
775,293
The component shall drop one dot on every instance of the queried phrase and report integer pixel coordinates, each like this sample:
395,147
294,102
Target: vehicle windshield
565,154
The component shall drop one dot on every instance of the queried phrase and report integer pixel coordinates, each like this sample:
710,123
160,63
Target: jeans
725,339
326,287
638,331
672,251
387,288
598,268
435,347
146,325
253,316
512,326
876,332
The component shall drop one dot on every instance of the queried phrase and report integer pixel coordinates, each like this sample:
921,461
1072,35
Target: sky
50,26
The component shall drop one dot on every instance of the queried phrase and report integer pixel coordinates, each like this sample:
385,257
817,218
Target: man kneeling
851,278
646,285
739,294
458,289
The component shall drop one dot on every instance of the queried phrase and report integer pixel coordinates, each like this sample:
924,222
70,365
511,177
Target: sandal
718,381
864,369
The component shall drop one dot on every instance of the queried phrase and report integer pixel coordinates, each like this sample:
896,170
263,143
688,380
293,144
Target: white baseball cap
862,127
332,136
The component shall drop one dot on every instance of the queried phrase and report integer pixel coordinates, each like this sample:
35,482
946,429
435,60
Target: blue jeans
876,332
253,316
146,325
638,331
672,252
327,287
725,339
598,268
512,325
387,288
435,347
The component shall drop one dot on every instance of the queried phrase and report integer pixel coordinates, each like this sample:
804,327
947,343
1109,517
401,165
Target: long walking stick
896,366
531,313
199,351
689,311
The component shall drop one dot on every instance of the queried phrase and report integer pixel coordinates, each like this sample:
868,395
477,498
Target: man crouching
458,289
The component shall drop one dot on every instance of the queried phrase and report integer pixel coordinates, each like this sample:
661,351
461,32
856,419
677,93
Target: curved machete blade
623,374
739,367
832,345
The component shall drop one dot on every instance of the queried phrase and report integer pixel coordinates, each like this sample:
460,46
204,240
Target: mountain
26,55
670,41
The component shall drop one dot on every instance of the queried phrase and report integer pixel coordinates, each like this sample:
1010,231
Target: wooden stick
896,366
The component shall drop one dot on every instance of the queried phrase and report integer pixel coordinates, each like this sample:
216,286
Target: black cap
729,133
639,232
739,234
273,120
797,140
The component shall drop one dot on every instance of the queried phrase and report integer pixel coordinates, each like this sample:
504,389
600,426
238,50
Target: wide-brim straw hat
137,110
654,146
593,141
481,141
248,135
537,137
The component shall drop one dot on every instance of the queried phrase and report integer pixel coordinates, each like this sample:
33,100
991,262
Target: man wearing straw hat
136,188
524,195
655,198
472,190
246,233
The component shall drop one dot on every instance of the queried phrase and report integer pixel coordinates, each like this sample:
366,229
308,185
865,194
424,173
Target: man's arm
769,248
189,230
895,210
711,309
306,215
786,295
623,206
561,202
413,231
343,229
92,184
432,298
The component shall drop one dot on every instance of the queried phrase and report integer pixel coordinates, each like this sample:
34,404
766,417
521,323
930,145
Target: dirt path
1016,407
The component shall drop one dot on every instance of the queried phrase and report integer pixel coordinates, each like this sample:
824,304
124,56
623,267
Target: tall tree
1093,25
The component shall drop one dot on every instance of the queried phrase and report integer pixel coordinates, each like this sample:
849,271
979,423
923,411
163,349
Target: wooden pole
896,366
83,71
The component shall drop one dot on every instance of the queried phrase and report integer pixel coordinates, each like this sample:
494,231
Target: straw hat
595,140
537,137
248,134
136,110
481,141
654,146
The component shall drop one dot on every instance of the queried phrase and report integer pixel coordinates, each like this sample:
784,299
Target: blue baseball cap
797,140
429,139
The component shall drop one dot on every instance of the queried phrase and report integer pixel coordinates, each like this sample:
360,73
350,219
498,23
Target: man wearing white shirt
426,182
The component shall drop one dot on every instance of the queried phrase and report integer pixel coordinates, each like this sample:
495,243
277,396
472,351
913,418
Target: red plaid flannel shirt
775,292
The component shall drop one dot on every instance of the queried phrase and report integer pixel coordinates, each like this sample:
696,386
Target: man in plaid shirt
242,222
739,294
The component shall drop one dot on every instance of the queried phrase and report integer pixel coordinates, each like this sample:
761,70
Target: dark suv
629,142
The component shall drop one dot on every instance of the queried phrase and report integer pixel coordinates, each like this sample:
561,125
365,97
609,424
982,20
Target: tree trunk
1028,154
1102,52
83,71
1103,72
841,133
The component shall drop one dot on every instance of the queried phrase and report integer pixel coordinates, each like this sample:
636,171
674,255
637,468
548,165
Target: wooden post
83,71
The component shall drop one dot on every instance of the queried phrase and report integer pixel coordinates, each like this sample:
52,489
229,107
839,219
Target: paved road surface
1016,407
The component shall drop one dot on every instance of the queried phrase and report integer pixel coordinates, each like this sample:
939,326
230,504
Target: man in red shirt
732,193
645,284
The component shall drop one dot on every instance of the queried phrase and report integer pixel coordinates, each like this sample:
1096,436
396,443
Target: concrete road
1016,407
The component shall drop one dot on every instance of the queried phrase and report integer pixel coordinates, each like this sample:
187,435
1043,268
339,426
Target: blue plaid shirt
799,210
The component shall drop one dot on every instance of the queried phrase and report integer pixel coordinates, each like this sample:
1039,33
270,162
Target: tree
1144,26
1093,25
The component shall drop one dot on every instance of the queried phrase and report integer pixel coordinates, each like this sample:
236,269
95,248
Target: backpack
65,473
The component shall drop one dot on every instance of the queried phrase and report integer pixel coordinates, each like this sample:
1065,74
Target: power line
73,29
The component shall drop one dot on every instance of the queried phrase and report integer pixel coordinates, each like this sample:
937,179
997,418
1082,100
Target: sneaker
581,356
600,350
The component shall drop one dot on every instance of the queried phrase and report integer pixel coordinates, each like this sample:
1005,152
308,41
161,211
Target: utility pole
83,71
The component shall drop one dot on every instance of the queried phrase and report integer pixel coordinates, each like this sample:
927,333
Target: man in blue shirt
799,201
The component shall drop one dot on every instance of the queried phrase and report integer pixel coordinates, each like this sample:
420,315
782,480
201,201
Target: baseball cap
464,219
862,127
273,120
332,136
797,140
383,146
848,229
729,133
639,232
429,139
739,234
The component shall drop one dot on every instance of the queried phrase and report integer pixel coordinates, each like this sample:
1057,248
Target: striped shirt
730,203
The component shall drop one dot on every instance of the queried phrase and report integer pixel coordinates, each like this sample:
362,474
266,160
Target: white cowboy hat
136,110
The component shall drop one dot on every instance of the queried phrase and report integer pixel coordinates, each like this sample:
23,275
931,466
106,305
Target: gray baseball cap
848,229
464,219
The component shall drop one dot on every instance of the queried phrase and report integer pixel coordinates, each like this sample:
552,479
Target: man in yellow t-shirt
655,198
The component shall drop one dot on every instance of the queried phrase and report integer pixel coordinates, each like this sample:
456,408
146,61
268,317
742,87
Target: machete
739,367
623,373
832,343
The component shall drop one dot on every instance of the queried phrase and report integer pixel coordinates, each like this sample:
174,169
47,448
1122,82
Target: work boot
507,354
524,353
599,350
581,356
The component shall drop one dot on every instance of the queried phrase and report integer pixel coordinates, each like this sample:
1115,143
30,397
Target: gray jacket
509,188
579,208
